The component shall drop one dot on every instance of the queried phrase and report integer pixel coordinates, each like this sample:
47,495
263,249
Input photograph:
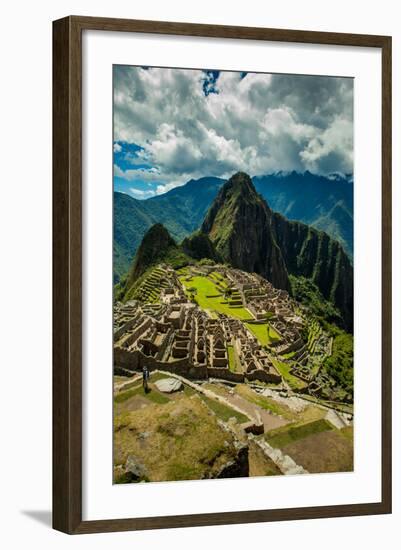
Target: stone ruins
166,329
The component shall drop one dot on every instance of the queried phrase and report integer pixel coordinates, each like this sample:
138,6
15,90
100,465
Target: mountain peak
237,194
240,182
158,232
154,246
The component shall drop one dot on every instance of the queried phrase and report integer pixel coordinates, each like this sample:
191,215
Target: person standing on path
145,378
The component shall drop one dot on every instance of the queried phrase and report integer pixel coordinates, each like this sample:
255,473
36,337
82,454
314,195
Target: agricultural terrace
284,369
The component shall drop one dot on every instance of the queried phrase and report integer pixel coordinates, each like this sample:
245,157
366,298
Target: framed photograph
221,274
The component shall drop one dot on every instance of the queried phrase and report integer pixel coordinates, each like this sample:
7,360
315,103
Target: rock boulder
169,385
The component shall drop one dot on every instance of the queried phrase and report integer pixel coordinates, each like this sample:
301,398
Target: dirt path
270,421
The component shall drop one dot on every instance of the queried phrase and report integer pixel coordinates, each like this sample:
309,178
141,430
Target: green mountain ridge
181,211
314,200
325,203
316,256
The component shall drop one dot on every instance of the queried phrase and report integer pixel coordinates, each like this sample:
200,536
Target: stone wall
133,336
293,346
264,376
135,360
125,359
124,328
225,374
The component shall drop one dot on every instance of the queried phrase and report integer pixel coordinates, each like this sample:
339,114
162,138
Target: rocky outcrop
169,385
239,467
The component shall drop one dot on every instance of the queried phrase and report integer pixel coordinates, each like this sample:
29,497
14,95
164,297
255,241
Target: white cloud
160,189
141,193
151,175
333,148
259,124
117,148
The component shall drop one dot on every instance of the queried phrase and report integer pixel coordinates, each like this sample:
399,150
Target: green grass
263,332
209,297
129,385
183,440
348,433
288,355
284,369
188,391
222,411
218,277
232,363
288,434
155,376
341,363
152,395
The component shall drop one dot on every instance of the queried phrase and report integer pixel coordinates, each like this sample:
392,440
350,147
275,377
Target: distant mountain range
326,203
241,229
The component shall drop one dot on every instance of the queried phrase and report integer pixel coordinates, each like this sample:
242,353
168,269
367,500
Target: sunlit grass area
263,332
232,363
177,440
208,296
284,369
151,395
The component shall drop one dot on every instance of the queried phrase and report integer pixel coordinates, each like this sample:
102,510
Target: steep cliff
313,254
199,246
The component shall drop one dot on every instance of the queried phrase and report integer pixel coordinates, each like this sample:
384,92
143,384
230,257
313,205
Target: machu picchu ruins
167,328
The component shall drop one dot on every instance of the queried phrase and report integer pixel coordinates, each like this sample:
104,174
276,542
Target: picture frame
67,273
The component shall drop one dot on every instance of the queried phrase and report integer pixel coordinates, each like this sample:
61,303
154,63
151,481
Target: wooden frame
67,280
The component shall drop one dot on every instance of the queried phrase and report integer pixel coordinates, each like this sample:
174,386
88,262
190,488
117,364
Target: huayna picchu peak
250,236
238,223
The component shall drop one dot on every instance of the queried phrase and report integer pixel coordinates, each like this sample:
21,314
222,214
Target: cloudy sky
171,125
